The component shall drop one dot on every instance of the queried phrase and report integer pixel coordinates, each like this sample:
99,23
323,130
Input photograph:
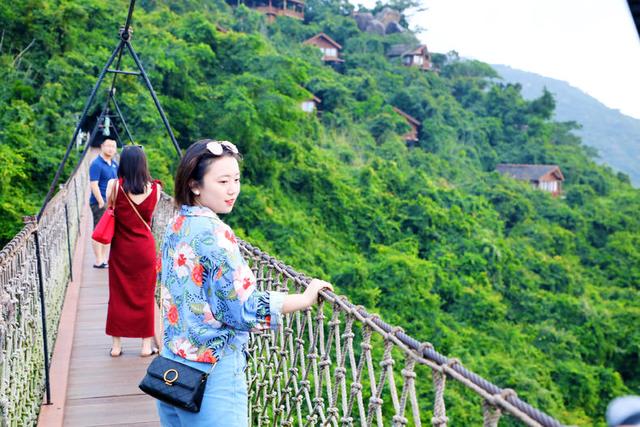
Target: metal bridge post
75,133
66,218
75,189
120,116
147,82
43,315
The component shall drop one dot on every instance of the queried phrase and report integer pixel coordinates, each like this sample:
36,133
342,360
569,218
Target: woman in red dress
132,258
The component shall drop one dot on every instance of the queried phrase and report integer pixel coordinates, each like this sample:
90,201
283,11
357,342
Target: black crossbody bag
175,383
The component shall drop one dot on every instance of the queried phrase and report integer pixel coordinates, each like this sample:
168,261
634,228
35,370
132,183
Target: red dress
132,269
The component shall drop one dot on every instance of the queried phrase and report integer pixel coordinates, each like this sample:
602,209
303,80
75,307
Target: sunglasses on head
217,147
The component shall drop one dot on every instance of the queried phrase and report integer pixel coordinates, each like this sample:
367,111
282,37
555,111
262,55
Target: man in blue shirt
102,169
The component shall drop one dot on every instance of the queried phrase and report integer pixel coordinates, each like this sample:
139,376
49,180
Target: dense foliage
536,293
612,133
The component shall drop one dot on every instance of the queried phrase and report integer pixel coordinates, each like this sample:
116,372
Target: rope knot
491,413
393,332
508,392
397,419
375,401
436,421
387,362
451,362
407,373
355,310
423,346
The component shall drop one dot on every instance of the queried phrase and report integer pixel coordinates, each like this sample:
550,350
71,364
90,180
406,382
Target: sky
591,44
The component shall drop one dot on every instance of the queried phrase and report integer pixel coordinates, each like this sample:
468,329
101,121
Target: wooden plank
103,390
113,410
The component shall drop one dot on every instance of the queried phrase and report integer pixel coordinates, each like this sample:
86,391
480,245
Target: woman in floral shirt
209,297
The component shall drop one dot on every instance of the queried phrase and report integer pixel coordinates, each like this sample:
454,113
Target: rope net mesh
22,378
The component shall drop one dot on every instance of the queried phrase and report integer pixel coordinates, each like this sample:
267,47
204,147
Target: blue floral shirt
208,292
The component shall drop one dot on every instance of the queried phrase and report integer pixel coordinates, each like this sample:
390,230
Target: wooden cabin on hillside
411,56
330,48
310,105
411,136
543,177
272,8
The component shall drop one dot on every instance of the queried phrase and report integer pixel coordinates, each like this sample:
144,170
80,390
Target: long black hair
134,170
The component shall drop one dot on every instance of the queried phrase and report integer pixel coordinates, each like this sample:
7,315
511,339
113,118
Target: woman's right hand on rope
315,286
307,299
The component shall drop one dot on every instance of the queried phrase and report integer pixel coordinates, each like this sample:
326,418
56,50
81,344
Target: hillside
536,293
615,136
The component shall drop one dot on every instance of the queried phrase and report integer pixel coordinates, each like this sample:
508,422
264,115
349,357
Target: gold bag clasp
167,379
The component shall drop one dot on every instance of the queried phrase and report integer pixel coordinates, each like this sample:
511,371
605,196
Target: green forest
535,293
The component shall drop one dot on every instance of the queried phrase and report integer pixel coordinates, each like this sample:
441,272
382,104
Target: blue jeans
225,401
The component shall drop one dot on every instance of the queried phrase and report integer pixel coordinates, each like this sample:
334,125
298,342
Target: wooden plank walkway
101,390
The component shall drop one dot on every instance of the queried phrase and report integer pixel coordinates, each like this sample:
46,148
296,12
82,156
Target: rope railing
312,371
334,365
339,365
22,346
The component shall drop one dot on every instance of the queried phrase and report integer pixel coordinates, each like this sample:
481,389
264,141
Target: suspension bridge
335,364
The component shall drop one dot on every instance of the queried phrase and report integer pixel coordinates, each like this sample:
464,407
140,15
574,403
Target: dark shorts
97,213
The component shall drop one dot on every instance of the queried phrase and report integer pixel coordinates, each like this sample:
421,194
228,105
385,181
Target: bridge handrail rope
424,352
